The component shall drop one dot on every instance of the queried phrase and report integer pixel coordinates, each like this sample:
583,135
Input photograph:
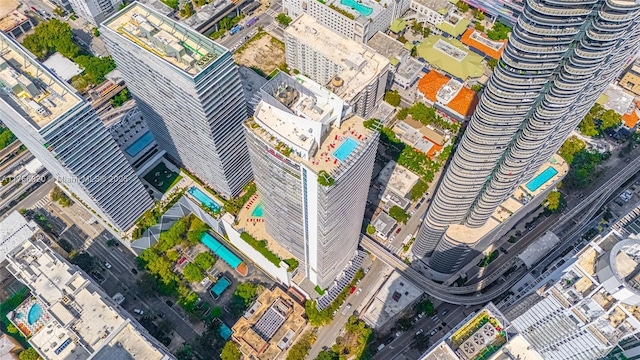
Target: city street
401,347
266,20
328,333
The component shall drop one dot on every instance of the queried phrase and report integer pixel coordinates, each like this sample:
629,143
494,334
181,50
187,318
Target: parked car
419,332
358,291
352,290
107,265
346,309
445,312
433,332
398,230
138,311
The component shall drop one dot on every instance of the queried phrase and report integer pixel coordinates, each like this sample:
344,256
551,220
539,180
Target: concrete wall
280,274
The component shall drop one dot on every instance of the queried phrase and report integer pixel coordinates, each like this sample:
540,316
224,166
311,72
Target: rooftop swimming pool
542,178
347,147
258,210
363,10
219,287
204,199
225,254
35,312
139,145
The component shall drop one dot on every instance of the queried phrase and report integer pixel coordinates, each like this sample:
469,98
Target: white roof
15,229
61,66
33,166
539,248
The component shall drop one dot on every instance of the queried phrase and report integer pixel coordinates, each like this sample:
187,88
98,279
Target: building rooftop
398,25
360,64
454,24
480,41
630,119
383,223
165,38
11,20
78,319
436,5
616,99
32,89
305,122
270,329
64,68
387,46
393,297
409,68
15,230
517,348
441,89
540,248
397,178
451,56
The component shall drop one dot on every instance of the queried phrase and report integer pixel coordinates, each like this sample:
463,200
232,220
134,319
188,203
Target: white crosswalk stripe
270,27
272,12
41,203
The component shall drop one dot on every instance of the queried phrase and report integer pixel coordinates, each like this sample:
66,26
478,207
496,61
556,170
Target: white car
358,291
107,265
138,311
433,332
419,332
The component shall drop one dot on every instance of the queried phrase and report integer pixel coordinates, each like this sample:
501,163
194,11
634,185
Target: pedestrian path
42,203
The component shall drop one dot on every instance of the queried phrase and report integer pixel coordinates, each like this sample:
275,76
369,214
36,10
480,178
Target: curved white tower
560,56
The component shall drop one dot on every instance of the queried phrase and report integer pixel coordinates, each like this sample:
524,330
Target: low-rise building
404,70
480,43
10,348
631,78
15,23
395,296
383,224
431,11
447,95
617,99
270,325
428,140
397,178
451,56
70,317
391,199
353,71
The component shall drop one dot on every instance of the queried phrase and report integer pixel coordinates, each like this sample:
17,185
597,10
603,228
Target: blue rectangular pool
225,254
347,147
363,10
204,199
139,145
219,287
542,178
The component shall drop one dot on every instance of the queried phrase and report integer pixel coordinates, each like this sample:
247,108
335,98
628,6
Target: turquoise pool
219,287
363,10
258,210
34,313
139,145
204,199
542,178
224,331
347,147
225,254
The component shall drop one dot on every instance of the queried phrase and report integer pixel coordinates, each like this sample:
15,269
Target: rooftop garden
342,11
161,177
153,215
470,328
325,179
261,247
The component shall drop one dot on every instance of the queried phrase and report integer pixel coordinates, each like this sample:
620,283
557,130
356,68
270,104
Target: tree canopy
499,31
230,351
392,97
192,273
6,137
283,19
204,260
570,147
301,348
50,37
399,214
598,120
583,169
554,201
29,354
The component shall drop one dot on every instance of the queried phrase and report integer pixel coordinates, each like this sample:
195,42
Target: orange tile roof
431,83
630,120
435,149
465,102
467,40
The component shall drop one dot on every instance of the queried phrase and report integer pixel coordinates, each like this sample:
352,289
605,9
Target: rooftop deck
32,88
360,64
171,41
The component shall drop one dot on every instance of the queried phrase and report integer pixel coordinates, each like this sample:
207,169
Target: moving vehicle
352,290
346,309
445,312
419,332
234,30
358,291
433,332
107,265
252,21
138,311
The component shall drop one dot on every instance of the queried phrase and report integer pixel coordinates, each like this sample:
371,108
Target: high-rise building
587,306
189,91
95,11
312,165
560,57
504,10
353,71
354,20
64,133
70,317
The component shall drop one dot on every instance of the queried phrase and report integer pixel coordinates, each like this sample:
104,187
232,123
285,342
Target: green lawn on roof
162,178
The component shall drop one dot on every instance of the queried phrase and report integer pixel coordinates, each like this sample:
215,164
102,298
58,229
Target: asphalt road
327,334
265,20
401,346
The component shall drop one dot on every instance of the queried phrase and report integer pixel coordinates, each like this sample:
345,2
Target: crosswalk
42,203
272,12
270,27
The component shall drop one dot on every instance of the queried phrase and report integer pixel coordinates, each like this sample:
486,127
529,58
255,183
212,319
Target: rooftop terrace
451,56
360,64
32,88
387,46
165,38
